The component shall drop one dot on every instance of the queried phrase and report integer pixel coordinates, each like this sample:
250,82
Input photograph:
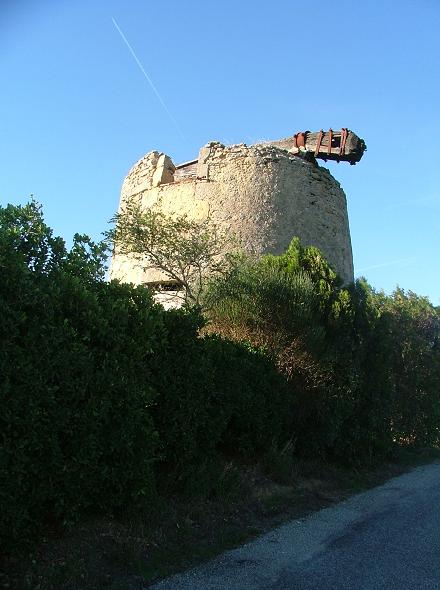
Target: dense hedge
104,396
76,432
108,402
364,367
213,395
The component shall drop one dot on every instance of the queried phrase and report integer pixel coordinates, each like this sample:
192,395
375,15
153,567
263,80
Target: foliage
75,394
414,361
186,415
103,393
364,368
214,395
253,396
25,235
108,401
258,302
310,260
183,249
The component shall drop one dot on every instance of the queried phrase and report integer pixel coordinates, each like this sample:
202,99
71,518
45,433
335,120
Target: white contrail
148,79
405,261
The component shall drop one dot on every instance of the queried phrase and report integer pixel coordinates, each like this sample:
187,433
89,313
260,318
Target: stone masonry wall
263,194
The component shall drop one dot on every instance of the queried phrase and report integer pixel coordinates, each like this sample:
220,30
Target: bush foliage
109,402
77,434
364,368
105,396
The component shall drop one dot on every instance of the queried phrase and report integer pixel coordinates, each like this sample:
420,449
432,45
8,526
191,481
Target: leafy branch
185,250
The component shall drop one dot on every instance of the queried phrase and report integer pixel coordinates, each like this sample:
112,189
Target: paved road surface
387,538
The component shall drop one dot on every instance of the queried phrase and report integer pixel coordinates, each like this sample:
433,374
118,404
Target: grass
130,553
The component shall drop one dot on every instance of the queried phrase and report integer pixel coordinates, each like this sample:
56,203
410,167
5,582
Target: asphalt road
386,538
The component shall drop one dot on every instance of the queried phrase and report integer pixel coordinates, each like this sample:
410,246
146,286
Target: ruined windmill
264,194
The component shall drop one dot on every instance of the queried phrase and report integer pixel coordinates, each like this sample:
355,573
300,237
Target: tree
185,250
24,234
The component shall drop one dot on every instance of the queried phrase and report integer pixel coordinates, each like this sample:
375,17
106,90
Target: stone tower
263,193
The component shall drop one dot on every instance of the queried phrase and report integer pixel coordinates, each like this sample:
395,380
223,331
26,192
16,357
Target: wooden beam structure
341,146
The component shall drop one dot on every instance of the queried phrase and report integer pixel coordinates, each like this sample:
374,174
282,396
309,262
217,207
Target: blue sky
76,111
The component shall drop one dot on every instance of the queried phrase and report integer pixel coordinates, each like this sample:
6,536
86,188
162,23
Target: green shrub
186,413
213,396
363,367
75,395
253,395
414,361
257,301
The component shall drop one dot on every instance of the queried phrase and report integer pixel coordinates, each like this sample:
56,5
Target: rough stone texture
261,193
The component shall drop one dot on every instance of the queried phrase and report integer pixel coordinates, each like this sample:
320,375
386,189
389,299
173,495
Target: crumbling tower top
262,194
